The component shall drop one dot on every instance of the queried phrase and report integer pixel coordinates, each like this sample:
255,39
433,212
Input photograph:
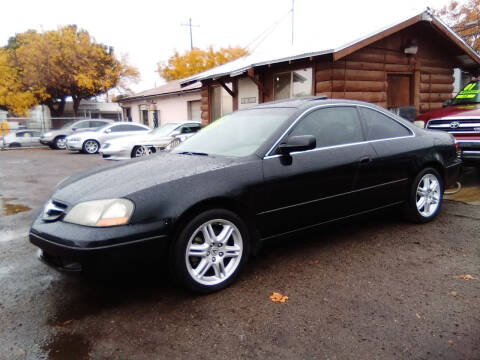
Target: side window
118,128
82,125
20,134
135,128
331,126
380,126
190,128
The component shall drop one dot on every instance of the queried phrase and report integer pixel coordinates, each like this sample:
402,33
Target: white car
145,144
20,138
90,141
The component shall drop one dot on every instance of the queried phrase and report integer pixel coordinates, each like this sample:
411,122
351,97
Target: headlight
105,146
47,134
101,213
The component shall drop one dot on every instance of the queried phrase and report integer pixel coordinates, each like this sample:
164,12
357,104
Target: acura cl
256,174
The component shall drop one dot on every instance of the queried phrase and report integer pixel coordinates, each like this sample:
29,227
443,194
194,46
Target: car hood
121,180
472,110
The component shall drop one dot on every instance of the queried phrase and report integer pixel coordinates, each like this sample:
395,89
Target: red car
461,118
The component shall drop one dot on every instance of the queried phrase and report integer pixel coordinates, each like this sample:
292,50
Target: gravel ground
371,288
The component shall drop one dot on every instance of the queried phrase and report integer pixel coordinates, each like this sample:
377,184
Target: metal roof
170,88
327,45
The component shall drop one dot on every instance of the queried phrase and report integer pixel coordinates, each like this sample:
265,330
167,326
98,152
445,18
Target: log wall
205,105
363,76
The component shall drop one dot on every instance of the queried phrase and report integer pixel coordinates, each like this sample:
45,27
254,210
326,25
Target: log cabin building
408,64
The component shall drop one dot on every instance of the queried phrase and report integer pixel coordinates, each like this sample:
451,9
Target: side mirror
175,133
447,102
297,143
74,129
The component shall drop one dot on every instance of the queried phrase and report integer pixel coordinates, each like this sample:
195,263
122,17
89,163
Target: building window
194,110
144,114
221,101
292,84
128,113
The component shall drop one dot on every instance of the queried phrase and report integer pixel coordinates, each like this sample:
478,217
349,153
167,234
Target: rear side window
380,126
190,128
134,128
97,124
82,125
331,126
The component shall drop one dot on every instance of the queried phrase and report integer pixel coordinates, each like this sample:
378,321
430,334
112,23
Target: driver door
314,186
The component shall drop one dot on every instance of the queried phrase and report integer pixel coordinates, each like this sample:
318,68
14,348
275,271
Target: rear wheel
210,251
90,147
139,151
425,198
60,143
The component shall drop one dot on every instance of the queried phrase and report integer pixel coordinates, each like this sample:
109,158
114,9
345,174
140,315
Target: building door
194,110
399,91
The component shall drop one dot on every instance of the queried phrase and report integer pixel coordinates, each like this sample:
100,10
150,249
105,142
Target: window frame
291,81
272,150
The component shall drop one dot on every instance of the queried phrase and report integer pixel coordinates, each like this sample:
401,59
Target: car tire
60,143
425,196
140,151
90,146
209,251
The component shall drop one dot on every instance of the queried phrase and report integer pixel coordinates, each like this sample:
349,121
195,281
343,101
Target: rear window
380,126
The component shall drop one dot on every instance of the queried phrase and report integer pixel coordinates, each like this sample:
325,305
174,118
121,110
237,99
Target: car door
383,177
313,186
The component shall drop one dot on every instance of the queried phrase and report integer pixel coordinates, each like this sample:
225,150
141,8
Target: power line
266,33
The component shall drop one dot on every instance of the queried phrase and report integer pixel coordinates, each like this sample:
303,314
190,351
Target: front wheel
425,198
140,151
210,251
90,147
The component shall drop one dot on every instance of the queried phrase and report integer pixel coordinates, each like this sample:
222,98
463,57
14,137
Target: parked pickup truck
461,118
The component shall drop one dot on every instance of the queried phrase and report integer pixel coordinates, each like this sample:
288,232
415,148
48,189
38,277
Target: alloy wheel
428,195
214,251
141,151
61,143
91,146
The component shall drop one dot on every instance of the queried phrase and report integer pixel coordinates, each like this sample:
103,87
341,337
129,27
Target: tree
464,18
46,68
195,61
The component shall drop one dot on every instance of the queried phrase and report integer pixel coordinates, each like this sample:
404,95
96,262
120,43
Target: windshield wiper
193,153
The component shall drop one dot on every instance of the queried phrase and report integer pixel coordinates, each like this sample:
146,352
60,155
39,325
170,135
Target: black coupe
255,174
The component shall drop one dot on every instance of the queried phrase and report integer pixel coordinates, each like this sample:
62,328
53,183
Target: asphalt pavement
375,287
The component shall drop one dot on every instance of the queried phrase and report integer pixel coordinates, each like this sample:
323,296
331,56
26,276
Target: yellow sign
4,129
468,92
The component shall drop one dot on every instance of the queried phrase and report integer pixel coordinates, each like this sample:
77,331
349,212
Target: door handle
365,160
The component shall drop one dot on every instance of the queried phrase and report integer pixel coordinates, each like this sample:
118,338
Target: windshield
164,130
237,134
469,95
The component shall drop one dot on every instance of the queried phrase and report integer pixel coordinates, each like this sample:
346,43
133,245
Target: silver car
90,141
56,138
20,138
145,144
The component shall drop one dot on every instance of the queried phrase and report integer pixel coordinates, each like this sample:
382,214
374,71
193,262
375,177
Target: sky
150,31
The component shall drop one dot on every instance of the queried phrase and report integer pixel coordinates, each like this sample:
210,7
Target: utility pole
293,7
190,26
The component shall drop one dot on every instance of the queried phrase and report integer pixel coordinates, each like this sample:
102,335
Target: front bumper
470,149
46,141
117,154
63,244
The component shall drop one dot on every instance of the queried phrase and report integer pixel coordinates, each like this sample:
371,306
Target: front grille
53,210
456,126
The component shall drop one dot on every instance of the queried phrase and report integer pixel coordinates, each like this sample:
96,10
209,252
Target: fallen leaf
418,316
467,277
450,341
64,323
278,298
315,262
453,293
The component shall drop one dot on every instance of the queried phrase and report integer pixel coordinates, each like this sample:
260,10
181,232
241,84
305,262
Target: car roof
307,102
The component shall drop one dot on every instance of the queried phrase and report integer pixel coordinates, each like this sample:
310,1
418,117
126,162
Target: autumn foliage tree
47,68
464,18
195,61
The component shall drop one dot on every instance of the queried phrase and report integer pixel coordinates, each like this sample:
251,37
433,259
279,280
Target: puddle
68,346
7,208
469,195
9,235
